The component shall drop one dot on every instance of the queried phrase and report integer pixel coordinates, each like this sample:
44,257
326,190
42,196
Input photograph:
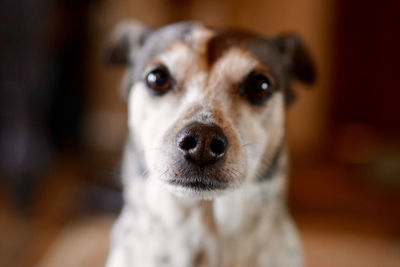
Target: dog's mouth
199,184
187,177
202,183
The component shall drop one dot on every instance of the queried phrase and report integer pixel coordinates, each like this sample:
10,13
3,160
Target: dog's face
206,107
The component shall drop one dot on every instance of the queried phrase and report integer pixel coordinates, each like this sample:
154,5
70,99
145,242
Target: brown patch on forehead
225,40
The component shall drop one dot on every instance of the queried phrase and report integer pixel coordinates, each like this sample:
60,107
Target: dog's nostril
217,146
188,143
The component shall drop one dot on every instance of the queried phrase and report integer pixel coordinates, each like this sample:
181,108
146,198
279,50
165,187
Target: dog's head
206,107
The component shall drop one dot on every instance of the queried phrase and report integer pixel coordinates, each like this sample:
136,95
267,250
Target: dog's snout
202,144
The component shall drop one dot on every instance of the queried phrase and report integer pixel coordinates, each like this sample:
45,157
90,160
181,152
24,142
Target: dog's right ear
124,41
296,57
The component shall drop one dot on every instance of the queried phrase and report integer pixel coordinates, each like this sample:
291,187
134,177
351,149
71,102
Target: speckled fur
165,225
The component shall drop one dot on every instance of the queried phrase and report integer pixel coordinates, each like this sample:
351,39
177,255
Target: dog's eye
257,88
159,80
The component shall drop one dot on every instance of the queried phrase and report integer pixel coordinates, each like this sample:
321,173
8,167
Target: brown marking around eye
229,75
179,70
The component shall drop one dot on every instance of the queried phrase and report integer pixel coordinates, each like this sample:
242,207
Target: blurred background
62,125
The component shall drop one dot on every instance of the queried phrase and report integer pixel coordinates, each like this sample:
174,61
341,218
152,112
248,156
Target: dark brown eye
257,88
159,80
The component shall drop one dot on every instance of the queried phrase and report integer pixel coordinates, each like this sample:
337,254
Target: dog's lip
199,184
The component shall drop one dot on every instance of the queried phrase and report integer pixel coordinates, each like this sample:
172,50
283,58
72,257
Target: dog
205,166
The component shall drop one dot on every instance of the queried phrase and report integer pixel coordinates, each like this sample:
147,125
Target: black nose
202,144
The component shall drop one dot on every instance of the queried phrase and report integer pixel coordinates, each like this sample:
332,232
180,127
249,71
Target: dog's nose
202,144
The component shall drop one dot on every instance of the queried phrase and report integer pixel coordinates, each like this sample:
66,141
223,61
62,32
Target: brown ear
124,41
296,57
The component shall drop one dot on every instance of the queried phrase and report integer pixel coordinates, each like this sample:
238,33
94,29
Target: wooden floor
56,234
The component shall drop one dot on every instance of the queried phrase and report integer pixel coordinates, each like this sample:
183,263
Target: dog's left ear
296,58
124,41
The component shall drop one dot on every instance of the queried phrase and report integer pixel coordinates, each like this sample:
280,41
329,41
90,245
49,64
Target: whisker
145,173
162,174
236,172
149,149
251,143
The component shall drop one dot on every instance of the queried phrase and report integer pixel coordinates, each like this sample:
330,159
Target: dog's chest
182,241
157,230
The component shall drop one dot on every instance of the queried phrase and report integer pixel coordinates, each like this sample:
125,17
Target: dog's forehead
210,43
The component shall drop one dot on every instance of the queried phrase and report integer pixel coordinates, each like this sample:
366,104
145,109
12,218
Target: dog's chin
198,188
187,180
